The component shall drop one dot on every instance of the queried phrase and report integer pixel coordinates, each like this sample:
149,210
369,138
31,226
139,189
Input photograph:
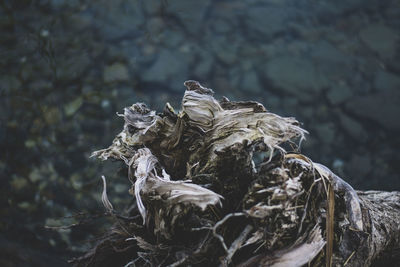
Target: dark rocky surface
68,66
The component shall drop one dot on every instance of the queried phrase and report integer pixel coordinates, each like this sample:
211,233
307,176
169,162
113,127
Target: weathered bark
202,198
380,240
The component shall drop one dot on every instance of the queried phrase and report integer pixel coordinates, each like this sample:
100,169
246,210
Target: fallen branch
190,169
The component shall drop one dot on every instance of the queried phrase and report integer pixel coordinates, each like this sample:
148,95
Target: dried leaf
294,257
104,198
175,192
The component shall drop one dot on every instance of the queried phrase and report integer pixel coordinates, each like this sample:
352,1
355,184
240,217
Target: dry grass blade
174,192
330,215
104,198
237,244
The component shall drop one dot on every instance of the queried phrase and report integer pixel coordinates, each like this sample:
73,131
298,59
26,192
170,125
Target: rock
30,143
295,75
382,39
381,108
170,68
326,132
154,29
353,127
72,67
191,13
26,72
153,6
359,166
25,205
37,85
9,83
329,10
76,181
272,102
120,188
204,65
307,112
116,72
51,115
391,13
164,67
119,19
251,83
222,26
331,62
127,95
81,21
18,183
338,167
73,106
290,106
234,79
228,10
266,21
385,81
227,56
172,39
224,51
339,93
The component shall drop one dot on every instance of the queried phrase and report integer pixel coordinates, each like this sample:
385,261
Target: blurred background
67,67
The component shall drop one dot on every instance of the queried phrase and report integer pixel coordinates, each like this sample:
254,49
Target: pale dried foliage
217,130
182,165
148,182
202,115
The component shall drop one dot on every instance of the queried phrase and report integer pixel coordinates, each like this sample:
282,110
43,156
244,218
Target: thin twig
219,223
348,259
330,224
237,245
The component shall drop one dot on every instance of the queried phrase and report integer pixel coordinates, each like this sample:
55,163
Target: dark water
67,67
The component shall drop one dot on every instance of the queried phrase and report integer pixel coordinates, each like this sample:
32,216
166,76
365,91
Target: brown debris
203,200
